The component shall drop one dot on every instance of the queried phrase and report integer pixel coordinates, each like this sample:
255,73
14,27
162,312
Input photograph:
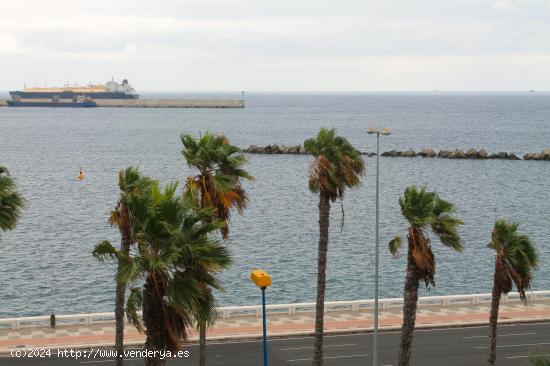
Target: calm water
46,263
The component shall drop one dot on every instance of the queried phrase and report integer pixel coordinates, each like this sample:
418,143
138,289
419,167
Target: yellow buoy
81,175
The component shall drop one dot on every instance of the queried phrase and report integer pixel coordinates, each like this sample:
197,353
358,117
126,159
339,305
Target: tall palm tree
217,186
515,259
423,210
219,182
337,166
174,258
130,182
11,202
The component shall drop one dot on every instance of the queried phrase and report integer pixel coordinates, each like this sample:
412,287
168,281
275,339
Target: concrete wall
159,103
171,103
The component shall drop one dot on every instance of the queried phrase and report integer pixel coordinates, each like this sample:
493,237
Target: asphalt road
437,347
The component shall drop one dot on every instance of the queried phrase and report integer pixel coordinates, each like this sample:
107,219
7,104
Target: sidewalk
279,325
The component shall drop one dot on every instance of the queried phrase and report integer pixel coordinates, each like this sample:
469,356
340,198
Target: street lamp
378,132
262,279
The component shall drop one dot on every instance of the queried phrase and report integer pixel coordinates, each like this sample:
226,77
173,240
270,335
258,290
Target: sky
278,45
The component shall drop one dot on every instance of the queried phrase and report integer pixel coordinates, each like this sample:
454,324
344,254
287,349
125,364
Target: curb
6,352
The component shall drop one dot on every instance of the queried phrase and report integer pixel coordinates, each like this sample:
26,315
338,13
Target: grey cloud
344,35
325,37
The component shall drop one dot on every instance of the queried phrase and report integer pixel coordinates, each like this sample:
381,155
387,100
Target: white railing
286,309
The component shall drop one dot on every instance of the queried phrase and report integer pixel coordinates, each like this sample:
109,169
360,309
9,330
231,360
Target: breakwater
410,153
171,103
160,103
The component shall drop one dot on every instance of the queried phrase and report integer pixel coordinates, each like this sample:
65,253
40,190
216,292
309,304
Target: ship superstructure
109,90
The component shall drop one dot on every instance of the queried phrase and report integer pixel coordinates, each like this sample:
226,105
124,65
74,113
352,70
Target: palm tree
515,259
422,209
174,258
217,186
337,166
130,183
11,202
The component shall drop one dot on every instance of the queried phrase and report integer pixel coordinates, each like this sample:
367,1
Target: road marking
519,345
523,356
309,347
501,335
363,333
327,357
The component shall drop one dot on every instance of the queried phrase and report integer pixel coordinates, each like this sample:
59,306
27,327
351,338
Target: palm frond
337,165
417,206
395,245
131,268
11,201
516,257
134,304
105,250
446,227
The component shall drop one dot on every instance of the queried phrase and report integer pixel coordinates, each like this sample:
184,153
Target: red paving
104,334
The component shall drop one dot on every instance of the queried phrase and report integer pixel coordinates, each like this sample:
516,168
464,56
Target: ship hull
70,95
12,103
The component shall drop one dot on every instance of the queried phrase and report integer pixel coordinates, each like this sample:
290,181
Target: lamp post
385,132
262,279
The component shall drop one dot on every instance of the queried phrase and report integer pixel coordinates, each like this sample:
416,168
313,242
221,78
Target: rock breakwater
543,155
410,153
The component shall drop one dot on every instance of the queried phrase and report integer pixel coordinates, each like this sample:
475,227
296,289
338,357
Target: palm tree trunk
324,212
410,298
152,318
119,323
202,343
119,305
202,323
493,319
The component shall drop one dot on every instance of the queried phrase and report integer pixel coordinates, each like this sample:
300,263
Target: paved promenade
301,323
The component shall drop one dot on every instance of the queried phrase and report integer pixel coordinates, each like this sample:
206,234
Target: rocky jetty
275,149
410,153
543,155
427,153
284,149
452,154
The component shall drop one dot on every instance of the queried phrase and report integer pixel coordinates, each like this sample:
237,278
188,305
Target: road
435,347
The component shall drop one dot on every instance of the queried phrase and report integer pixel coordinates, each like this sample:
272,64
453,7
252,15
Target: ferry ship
109,90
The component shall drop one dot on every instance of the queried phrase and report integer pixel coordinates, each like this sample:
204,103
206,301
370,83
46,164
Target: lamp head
260,278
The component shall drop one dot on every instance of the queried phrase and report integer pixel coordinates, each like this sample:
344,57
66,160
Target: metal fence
286,309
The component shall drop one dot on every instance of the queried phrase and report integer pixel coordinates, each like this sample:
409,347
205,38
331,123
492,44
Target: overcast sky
278,44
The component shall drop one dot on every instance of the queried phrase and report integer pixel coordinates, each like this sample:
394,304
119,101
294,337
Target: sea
46,263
